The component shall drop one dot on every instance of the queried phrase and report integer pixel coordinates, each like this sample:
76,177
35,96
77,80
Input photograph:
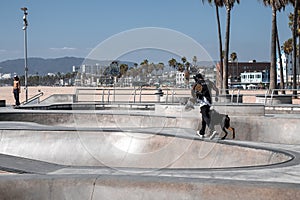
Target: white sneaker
201,136
213,135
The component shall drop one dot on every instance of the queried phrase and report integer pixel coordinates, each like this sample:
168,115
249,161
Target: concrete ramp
131,148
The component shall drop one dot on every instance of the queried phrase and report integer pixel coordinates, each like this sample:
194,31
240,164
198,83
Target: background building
253,73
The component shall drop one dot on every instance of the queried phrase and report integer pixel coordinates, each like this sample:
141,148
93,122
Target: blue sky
60,28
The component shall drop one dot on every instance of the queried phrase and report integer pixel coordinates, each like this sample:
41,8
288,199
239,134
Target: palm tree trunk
280,62
295,48
273,72
225,70
298,66
220,47
286,70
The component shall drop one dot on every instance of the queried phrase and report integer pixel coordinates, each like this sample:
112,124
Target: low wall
234,98
59,98
94,187
94,119
239,110
267,129
275,99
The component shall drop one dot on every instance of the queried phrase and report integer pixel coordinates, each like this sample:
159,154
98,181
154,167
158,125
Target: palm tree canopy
233,56
276,4
219,3
172,62
288,46
230,3
145,62
293,2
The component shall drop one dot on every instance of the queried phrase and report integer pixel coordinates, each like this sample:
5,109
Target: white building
287,68
251,77
180,80
5,76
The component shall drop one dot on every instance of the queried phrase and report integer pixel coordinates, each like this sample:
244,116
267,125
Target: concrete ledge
283,109
239,110
99,119
60,98
229,98
270,129
275,99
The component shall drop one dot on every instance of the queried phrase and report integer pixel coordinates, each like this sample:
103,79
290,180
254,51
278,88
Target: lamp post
25,24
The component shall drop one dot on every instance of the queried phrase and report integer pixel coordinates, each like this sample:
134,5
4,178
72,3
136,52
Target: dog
223,120
216,118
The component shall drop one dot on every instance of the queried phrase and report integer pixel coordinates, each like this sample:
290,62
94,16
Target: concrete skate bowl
121,140
131,149
127,156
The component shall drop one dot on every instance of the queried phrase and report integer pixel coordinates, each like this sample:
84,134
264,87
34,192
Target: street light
25,24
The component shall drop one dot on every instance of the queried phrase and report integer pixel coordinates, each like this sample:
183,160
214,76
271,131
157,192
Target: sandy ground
6,92
7,95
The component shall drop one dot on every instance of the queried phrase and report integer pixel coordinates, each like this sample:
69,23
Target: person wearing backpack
201,91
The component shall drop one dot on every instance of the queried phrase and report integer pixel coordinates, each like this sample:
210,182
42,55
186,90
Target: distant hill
43,66
50,65
40,65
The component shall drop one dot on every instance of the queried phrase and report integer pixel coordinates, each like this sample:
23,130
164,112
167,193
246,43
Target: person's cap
15,75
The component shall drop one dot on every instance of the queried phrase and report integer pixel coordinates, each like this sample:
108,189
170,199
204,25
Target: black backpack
201,90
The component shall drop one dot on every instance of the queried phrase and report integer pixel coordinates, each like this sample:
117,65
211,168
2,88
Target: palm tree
173,63
161,66
183,59
280,62
187,72
194,61
150,68
295,29
186,68
276,5
123,70
219,3
180,67
229,5
145,62
233,58
287,49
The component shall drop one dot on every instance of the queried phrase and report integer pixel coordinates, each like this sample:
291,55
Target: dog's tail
233,132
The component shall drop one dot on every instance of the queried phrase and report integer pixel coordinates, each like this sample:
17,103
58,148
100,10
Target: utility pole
25,24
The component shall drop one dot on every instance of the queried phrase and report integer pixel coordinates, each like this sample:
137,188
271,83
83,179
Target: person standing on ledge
16,90
201,91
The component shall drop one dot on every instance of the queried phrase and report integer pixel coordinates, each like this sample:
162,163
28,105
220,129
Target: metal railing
34,99
173,95
131,95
